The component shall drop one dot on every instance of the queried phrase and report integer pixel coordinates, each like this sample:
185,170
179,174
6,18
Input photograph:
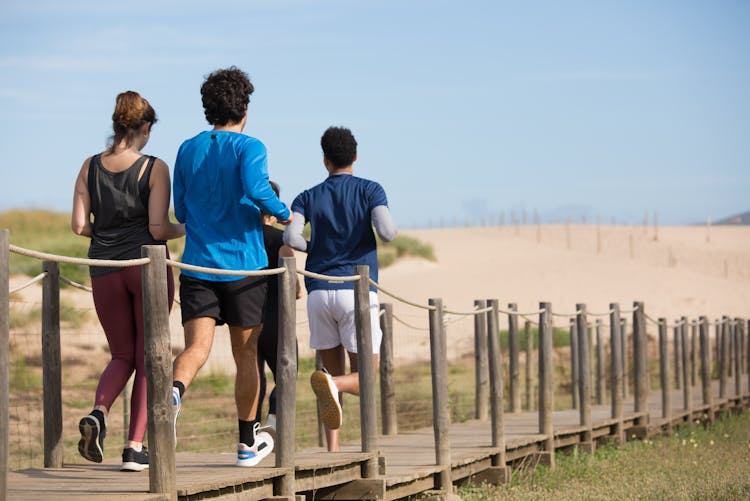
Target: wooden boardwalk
407,460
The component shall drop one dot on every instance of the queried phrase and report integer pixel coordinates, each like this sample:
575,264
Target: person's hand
286,221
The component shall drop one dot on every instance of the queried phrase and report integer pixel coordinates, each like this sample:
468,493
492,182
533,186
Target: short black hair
339,146
225,95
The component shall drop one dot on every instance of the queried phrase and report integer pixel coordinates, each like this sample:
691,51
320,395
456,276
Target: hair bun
131,111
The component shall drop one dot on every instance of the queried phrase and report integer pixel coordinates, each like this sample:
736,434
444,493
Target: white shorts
330,314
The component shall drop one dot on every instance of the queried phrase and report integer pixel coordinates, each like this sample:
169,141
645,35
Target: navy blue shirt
338,210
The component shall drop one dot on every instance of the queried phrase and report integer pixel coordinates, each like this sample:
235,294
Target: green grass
693,463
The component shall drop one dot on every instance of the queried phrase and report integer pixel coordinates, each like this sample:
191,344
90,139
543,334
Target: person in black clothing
268,340
121,202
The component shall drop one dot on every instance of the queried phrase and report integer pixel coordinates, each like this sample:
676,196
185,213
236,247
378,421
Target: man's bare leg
199,336
247,380
333,361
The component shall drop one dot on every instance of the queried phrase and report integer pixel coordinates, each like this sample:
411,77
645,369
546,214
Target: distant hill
739,219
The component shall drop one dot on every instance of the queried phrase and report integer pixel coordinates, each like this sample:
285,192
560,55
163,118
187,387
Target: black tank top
119,203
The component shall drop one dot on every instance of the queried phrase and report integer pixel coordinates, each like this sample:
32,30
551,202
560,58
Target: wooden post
615,343
584,376
624,355
741,350
600,377
640,363
574,387
546,394
730,347
529,364
723,358
677,357
686,388
367,402
481,364
705,354
286,377
387,381
52,366
666,404
440,404
746,325
694,352
4,359
158,362
717,347
514,348
496,385
737,357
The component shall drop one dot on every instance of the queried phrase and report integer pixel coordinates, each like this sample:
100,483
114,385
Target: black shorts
239,303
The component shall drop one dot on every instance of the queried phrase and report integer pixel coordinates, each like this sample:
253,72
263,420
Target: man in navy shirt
342,211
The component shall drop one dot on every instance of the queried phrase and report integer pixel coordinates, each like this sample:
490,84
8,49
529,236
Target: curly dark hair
339,146
225,96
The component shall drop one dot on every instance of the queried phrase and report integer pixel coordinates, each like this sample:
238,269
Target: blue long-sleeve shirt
220,186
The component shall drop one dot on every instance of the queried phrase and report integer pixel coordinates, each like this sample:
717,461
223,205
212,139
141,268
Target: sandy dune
684,271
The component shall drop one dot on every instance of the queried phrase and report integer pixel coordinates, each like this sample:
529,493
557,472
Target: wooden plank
365,488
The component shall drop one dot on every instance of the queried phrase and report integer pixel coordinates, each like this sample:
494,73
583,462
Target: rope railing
567,315
406,324
468,313
398,298
29,283
114,263
277,271
521,314
75,284
218,271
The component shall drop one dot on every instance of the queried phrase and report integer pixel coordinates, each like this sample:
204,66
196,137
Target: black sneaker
133,460
91,445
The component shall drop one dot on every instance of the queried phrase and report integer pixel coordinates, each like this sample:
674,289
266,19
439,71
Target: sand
679,271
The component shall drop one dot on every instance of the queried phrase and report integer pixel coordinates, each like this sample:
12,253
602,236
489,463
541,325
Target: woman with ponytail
121,201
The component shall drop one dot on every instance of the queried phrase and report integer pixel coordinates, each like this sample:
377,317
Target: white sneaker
251,456
328,399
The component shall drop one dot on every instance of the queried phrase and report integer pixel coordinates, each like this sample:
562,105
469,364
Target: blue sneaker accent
251,456
176,404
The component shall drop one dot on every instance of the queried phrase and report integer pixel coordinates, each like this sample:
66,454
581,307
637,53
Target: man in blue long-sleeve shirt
220,187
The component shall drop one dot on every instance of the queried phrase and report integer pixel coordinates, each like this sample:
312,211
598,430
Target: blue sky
464,111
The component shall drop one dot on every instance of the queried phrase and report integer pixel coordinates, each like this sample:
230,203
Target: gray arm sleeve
293,233
383,223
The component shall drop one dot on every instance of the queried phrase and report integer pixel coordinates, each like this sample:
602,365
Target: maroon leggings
119,305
